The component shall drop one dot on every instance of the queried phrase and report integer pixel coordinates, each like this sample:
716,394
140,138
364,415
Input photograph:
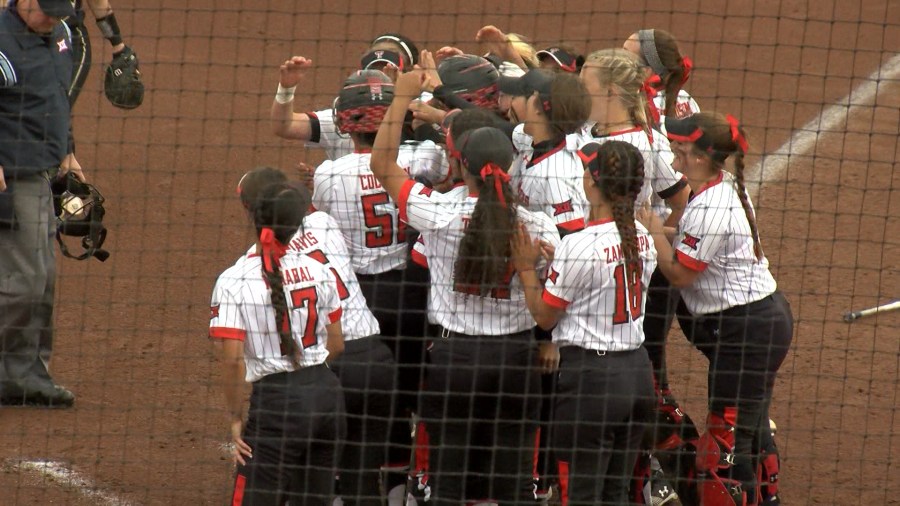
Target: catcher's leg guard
767,472
674,441
715,459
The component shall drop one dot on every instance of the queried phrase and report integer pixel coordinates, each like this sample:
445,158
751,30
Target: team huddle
492,255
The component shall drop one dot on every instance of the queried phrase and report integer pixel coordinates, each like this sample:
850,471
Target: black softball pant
399,300
366,370
746,346
481,404
603,405
659,311
295,428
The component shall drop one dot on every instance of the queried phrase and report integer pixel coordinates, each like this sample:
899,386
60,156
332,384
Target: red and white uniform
604,306
347,189
459,192
321,239
714,239
442,221
326,135
550,182
660,178
241,308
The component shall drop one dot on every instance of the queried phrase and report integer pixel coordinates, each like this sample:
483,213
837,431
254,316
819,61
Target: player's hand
547,251
306,175
430,79
293,70
491,35
426,113
241,448
525,251
447,52
70,164
409,85
392,71
650,220
548,357
2,180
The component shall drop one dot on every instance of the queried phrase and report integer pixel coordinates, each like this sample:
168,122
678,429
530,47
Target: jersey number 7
381,222
307,298
628,294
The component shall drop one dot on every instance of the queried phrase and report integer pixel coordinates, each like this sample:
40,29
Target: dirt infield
131,332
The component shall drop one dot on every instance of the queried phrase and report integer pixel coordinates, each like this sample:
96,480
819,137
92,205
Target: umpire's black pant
746,346
367,370
481,404
295,428
603,404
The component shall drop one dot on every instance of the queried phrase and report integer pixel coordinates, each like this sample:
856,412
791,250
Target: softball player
546,173
366,367
737,317
319,128
481,394
668,72
594,297
81,42
276,316
561,58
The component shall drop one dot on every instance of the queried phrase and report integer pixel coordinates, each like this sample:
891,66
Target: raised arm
387,142
677,274
677,203
103,13
286,123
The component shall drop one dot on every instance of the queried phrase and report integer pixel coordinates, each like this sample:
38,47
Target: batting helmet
362,102
79,210
472,78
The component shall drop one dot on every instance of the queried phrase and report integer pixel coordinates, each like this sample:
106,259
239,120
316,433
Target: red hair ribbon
736,134
500,177
687,65
650,90
272,250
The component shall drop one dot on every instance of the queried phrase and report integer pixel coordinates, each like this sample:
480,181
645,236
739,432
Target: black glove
122,85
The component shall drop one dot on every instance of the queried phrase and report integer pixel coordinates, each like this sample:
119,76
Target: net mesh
815,84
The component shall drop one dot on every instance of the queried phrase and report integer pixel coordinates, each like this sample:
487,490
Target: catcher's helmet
79,210
362,102
472,78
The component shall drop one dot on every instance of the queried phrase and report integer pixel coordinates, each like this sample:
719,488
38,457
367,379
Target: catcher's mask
79,209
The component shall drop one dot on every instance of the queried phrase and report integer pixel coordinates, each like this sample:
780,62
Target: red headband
736,134
272,250
687,65
500,177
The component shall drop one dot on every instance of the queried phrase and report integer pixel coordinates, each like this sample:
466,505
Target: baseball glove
122,85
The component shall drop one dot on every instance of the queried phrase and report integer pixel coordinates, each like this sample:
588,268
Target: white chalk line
773,166
66,477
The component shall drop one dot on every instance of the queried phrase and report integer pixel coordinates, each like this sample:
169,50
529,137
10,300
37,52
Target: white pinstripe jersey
552,182
321,239
442,221
659,176
604,305
714,239
459,192
241,308
348,190
685,106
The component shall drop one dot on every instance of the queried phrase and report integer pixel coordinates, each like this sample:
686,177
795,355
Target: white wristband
284,95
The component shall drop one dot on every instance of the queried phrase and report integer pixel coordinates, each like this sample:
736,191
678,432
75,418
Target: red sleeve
419,259
227,333
554,301
572,225
404,198
691,263
335,315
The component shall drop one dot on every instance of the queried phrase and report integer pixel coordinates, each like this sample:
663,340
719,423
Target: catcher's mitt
122,85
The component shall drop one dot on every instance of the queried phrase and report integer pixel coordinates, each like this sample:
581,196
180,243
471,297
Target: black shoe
53,397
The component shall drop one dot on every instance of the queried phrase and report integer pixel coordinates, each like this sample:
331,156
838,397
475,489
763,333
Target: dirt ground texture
131,332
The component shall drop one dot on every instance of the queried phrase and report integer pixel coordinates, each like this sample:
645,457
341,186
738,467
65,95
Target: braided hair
618,172
279,208
726,138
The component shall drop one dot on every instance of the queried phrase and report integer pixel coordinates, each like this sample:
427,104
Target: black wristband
110,29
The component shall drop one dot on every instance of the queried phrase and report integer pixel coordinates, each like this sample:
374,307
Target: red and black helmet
363,101
472,78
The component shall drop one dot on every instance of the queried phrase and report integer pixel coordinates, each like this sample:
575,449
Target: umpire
35,145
